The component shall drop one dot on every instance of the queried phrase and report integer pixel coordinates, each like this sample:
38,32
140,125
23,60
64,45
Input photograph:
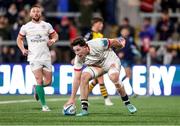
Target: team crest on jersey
32,64
105,42
43,26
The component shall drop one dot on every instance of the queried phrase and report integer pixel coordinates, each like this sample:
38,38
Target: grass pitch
24,110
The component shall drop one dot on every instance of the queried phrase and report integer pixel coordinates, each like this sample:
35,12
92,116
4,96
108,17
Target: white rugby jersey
37,36
99,54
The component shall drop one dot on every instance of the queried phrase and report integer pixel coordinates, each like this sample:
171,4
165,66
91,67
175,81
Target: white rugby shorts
45,65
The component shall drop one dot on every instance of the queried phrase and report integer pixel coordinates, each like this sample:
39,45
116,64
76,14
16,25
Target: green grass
151,111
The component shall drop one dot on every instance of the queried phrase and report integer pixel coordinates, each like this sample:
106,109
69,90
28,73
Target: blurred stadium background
153,28
154,22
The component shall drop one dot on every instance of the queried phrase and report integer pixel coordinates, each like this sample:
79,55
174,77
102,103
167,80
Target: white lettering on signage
15,80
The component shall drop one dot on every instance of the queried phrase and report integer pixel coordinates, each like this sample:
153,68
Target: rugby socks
125,100
91,86
41,94
84,104
103,90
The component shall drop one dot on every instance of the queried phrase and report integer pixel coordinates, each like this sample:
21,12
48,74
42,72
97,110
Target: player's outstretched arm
20,44
76,83
117,43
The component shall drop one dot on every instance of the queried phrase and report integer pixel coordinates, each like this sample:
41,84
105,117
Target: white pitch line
26,101
33,100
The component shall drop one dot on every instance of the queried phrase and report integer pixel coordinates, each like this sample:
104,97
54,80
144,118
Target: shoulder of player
94,42
46,23
27,24
99,42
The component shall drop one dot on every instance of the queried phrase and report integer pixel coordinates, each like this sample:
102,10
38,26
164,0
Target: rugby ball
69,109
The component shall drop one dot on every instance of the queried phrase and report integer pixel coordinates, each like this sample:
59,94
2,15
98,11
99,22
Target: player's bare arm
20,44
53,38
76,83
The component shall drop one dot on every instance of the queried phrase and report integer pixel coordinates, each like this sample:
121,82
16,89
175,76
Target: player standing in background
40,36
96,29
99,58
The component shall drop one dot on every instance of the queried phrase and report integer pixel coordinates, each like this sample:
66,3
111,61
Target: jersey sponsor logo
38,38
43,26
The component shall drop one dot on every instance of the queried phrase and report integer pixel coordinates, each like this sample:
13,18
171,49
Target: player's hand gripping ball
69,109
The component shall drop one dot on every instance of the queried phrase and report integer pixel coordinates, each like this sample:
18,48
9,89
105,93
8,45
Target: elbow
57,37
19,38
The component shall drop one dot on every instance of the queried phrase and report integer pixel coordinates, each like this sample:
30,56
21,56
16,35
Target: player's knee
39,81
114,74
85,78
100,81
94,82
114,77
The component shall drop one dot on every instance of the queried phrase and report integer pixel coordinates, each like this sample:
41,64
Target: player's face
125,32
81,51
35,13
99,26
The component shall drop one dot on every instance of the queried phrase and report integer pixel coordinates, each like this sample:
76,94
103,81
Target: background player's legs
125,80
102,86
104,90
100,81
92,84
128,76
128,71
39,87
38,73
47,80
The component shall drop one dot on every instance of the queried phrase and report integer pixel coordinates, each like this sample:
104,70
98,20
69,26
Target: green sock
41,94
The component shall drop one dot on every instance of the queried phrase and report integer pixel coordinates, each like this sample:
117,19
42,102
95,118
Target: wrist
22,50
120,39
53,40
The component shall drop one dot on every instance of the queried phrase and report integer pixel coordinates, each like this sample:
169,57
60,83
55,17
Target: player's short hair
147,19
165,12
36,6
79,41
96,19
126,19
